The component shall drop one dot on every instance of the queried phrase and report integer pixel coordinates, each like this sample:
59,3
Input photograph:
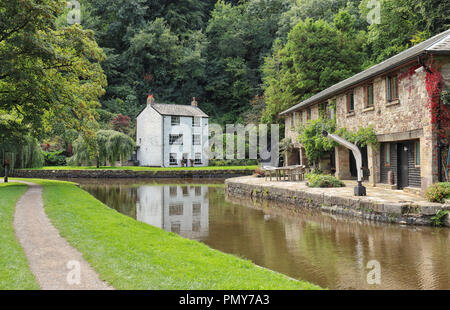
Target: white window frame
176,139
175,159
198,159
175,120
196,122
197,141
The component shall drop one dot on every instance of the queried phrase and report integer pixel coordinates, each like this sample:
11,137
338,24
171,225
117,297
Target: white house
172,135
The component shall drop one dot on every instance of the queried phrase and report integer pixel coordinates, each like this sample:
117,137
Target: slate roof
439,44
177,110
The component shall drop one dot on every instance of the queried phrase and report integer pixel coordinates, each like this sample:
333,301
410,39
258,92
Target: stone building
391,97
171,135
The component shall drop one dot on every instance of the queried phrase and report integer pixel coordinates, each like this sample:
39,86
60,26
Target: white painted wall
149,138
187,130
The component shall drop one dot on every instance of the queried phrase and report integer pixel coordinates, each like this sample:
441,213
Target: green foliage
363,137
439,218
56,158
316,56
49,74
232,162
315,144
438,192
322,180
109,146
403,24
25,152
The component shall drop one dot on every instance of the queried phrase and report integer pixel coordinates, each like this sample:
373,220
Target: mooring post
360,190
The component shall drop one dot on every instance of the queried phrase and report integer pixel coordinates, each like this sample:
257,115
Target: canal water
333,252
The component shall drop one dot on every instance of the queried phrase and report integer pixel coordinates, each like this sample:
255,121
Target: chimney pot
194,102
150,99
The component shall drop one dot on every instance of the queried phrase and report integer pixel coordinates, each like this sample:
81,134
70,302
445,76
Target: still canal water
326,250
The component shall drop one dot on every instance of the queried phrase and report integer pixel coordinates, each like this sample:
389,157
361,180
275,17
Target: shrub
323,180
438,192
232,162
54,158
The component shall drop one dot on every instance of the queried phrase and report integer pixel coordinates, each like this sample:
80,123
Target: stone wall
179,174
400,213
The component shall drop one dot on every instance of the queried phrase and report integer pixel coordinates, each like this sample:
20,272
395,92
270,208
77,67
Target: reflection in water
179,209
327,250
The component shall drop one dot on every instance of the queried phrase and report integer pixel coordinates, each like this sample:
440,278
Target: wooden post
6,165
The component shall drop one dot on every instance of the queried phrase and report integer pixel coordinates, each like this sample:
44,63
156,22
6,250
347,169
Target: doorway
403,168
365,163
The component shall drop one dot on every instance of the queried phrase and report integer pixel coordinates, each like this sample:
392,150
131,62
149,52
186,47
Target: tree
121,123
49,73
316,56
404,23
109,146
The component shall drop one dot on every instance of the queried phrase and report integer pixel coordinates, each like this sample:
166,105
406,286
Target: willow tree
110,146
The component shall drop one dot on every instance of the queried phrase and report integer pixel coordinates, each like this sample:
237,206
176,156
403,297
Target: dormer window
175,120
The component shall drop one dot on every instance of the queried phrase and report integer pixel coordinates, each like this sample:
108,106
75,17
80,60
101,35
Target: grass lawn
132,255
148,168
15,273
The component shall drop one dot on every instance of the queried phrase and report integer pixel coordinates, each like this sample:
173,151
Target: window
185,191
175,227
350,102
387,155
196,121
196,209
196,140
198,191
198,158
293,120
369,96
175,120
302,117
173,159
175,209
392,88
417,153
308,115
176,139
173,191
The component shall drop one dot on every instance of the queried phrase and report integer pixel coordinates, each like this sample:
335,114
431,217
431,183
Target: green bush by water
438,192
323,180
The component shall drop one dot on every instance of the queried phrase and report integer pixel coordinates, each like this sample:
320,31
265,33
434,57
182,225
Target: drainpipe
438,138
360,190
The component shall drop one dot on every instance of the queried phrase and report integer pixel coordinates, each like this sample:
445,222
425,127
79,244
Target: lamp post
360,190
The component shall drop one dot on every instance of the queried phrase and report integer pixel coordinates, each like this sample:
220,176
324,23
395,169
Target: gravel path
55,264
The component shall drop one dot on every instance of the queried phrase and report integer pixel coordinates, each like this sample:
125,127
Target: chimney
194,102
150,99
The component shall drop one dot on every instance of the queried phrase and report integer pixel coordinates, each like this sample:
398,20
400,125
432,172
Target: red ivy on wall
439,113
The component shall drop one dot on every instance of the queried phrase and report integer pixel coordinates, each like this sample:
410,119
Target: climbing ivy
316,145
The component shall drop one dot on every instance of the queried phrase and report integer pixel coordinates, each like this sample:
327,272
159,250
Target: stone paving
380,204
378,194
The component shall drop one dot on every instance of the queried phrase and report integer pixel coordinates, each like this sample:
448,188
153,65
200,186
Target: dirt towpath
55,264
